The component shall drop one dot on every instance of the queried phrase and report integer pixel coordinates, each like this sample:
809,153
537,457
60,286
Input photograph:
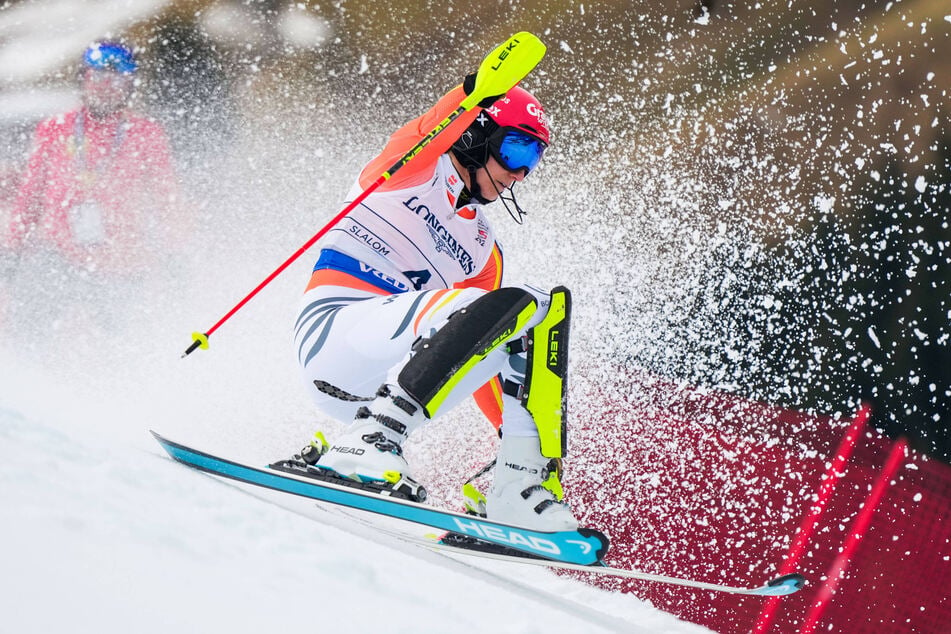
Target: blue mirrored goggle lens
519,151
111,57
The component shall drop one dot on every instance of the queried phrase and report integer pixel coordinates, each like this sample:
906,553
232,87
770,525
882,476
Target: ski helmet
110,56
513,130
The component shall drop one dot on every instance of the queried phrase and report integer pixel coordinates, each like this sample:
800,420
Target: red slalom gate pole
809,523
859,529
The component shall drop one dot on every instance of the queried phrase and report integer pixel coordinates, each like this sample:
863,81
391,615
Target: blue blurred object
110,56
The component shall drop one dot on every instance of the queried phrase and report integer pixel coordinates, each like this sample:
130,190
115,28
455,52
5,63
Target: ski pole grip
504,67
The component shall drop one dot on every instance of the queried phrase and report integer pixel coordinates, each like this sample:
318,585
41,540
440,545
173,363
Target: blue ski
582,547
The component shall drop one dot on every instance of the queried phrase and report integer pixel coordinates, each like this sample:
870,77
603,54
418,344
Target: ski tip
787,584
163,442
157,436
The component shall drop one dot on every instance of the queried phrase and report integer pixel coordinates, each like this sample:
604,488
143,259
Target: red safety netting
715,488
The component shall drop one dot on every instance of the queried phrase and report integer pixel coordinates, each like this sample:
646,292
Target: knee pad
470,334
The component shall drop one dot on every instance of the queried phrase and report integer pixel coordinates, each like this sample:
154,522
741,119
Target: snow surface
101,532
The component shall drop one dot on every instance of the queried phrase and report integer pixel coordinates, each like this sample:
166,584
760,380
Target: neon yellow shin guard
546,377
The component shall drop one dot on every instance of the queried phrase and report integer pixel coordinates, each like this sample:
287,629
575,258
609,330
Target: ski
457,544
466,545
582,547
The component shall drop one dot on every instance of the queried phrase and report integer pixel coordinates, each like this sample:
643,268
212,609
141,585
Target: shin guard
470,334
546,378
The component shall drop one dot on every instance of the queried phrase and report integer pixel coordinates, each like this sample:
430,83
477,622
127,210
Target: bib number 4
418,278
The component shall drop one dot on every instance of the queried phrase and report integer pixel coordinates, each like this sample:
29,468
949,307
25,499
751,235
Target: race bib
85,223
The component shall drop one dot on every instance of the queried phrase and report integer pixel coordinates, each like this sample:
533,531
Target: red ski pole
499,72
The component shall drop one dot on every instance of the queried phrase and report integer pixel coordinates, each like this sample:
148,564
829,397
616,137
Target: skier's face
105,91
495,179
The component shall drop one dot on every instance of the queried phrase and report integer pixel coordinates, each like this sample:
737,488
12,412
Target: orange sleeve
489,399
490,277
420,168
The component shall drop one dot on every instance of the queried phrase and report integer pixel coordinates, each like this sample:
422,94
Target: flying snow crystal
704,17
921,184
824,204
874,337
564,46
364,66
917,497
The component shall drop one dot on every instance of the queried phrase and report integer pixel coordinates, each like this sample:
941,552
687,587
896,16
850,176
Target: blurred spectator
95,211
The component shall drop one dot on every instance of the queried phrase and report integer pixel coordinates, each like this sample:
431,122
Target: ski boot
370,452
526,491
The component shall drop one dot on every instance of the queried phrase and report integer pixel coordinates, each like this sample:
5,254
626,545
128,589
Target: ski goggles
110,57
516,150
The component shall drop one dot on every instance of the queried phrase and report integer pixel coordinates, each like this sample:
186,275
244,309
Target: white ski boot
371,450
517,496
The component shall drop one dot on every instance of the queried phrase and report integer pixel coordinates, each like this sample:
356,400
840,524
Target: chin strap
518,214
